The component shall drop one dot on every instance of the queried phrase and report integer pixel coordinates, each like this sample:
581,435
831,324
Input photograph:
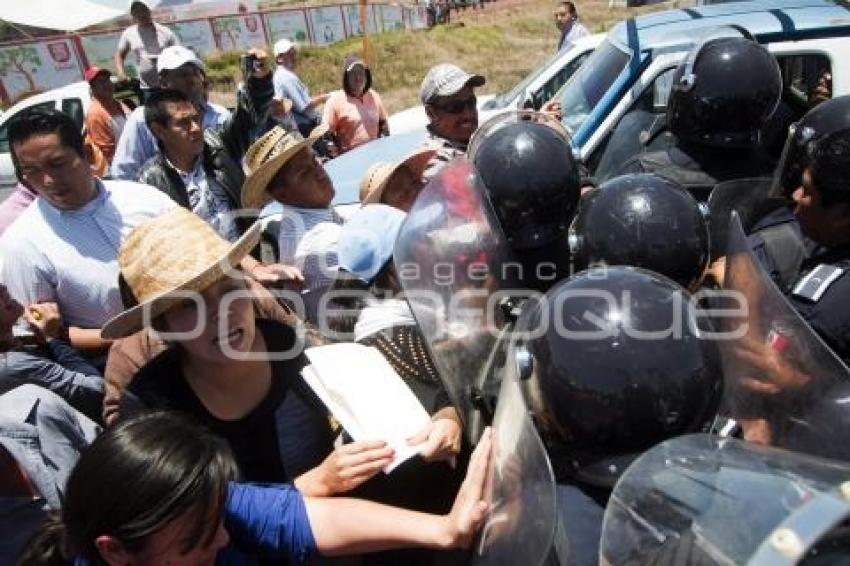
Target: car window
4,129
501,100
73,107
806,78
589,84
549,89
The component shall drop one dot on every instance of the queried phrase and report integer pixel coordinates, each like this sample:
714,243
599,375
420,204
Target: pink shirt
14,205
355,121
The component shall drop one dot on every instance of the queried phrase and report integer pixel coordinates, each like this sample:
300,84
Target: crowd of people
145,414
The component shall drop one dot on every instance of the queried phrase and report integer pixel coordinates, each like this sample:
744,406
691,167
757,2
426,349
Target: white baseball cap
282,46
176,56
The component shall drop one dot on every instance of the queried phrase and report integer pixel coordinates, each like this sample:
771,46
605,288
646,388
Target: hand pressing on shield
470,508
440,439
345,468
773,372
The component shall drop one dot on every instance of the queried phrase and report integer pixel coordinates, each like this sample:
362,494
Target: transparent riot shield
782,384
701,499
455,267
520,528
747,197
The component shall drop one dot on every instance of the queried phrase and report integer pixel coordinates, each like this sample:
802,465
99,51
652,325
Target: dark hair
830,168
132,481
571,8
44,121
155,111
344,308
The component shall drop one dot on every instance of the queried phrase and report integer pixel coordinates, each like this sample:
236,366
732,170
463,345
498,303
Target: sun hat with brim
158,274
265,158
378,176
366,240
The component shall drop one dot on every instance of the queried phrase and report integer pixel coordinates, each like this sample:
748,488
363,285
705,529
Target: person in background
146,39
355,114
452,109
14,205
396,184
186,507
566,20
288,85
106,116
179,69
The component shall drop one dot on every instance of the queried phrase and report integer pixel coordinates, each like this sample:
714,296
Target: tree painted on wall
16,60
229,27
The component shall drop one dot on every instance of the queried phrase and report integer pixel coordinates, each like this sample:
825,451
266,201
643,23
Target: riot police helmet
820,142
526,166
723,93
613,361
645,221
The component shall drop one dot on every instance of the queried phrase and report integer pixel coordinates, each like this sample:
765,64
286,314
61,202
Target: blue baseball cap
367,239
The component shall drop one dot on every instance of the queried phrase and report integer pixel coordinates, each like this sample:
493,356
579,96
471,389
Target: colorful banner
239,32
391,18
291,25
196,34
352,12
100,48
37,67
327,25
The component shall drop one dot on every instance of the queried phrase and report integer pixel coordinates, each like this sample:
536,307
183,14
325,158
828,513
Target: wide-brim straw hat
377,177
167,258
266,156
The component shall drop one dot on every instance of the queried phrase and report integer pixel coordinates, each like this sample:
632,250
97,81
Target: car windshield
589,84
503,99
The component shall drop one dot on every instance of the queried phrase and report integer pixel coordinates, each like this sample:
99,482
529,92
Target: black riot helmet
612,362
820,141
525,163
645,221
723,93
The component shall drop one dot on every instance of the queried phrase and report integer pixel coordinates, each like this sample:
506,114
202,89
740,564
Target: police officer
722,95
526,169
646,221
811,259
612,363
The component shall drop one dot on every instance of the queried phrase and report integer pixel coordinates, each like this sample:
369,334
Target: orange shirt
354,121
104,126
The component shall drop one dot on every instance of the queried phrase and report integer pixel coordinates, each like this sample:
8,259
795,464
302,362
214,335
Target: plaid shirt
447,150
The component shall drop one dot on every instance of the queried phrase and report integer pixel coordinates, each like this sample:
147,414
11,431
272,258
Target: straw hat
377,177
266,156
159,273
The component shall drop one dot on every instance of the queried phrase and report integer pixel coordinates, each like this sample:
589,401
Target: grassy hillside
504,42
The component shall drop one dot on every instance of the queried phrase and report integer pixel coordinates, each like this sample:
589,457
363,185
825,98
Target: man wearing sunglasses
450,104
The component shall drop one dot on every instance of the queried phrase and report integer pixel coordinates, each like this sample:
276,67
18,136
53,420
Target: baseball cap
282,46
446,79
367,239
176,56
92,73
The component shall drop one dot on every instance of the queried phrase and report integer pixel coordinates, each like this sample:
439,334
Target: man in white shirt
288,85
566,20
146,39
64,247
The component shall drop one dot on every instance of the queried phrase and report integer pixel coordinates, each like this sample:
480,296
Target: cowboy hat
377,177
265,158
158,275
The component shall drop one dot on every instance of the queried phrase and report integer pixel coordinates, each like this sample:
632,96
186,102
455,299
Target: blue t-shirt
266,521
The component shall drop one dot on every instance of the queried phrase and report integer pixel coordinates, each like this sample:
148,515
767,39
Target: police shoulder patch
815,283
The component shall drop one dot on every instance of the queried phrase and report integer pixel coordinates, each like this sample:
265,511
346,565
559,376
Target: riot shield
453,263
701,499
782,384
520,528
747,197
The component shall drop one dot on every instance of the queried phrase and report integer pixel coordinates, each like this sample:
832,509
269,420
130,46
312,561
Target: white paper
366,396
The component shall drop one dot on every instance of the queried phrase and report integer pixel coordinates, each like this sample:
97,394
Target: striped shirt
71,257
308,239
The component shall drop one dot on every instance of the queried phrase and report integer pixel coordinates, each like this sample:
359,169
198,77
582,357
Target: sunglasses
457,106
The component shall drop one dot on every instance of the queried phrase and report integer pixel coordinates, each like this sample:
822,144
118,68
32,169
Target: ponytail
48,546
